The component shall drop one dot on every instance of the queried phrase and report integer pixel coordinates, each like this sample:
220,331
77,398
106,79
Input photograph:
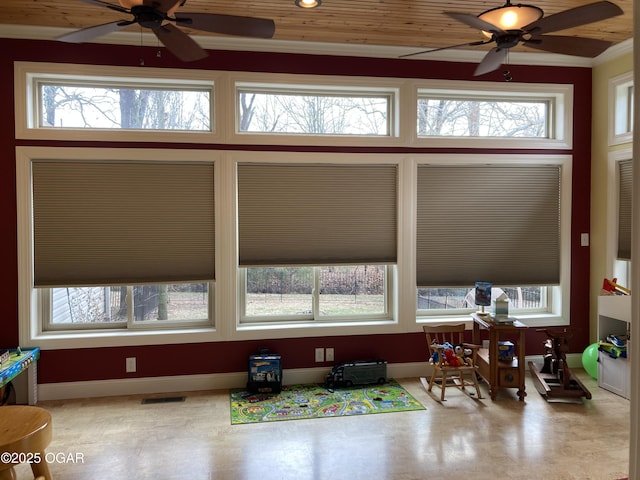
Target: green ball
590,360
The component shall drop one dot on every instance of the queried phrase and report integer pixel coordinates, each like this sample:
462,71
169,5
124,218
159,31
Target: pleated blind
625,173
317,214
106,223
495,223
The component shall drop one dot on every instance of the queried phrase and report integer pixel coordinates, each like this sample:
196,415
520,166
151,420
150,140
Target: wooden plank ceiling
407,23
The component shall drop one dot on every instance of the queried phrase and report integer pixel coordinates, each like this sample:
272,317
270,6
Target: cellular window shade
316,214
493,223
625,172
106,223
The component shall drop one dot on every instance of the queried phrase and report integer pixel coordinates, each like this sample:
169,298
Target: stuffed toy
446,346
451,358
464,354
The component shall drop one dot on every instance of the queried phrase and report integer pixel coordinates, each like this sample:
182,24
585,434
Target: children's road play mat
315,401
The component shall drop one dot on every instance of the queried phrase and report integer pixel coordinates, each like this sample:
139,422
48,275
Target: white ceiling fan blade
87,34
491,61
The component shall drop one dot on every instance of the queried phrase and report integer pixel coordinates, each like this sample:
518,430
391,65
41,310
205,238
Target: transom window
313,111
106,105
454,116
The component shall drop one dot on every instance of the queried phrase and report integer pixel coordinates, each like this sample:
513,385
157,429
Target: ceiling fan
160,16
511,25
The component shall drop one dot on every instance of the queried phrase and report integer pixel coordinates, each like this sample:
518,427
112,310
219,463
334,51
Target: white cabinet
614,318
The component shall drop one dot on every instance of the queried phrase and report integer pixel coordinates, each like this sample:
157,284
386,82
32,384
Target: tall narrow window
625,191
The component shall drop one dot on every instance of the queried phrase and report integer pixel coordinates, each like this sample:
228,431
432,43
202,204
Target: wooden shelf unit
498,373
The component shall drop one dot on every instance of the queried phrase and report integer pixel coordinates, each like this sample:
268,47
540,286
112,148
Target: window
314,110
618,218
499,222
95,106
314,240
476,117
443,301
343,292
155,306
256,238
529,115
118,244
625,189
621,109
93,102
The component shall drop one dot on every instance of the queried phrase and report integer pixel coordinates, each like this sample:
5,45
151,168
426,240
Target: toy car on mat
360,372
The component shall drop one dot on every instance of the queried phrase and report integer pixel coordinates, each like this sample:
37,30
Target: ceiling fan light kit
511,17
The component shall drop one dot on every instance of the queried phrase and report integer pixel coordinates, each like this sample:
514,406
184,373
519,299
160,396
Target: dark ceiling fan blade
117,8
577,46
87,34
491,61
475,22
179,43
161,6
574,17
468,44
227,24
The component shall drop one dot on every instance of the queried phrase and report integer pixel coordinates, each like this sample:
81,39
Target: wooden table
498,373
25,433
19,362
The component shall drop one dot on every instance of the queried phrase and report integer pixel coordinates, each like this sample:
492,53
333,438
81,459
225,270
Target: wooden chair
443,374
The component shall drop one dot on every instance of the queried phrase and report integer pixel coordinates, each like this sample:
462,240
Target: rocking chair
445,374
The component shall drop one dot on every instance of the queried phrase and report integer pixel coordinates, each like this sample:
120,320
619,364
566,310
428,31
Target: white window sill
119,338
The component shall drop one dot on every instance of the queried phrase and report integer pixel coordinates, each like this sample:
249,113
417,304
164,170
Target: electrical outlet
130,364
319,354
329,355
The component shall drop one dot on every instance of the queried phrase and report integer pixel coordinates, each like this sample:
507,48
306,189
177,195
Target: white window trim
404,93
226,287
626,79
615,268
559,297
30,325
402,319
392,87
27,73
561,114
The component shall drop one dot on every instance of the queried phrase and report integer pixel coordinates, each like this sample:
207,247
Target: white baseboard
219,381
190,383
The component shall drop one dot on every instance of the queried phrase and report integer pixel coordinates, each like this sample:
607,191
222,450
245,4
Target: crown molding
614,52
321,48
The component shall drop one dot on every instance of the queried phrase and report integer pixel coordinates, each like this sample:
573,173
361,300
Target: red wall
220,357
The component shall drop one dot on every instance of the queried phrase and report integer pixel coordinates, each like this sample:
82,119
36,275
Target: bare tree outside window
77,106
439,117
295,113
